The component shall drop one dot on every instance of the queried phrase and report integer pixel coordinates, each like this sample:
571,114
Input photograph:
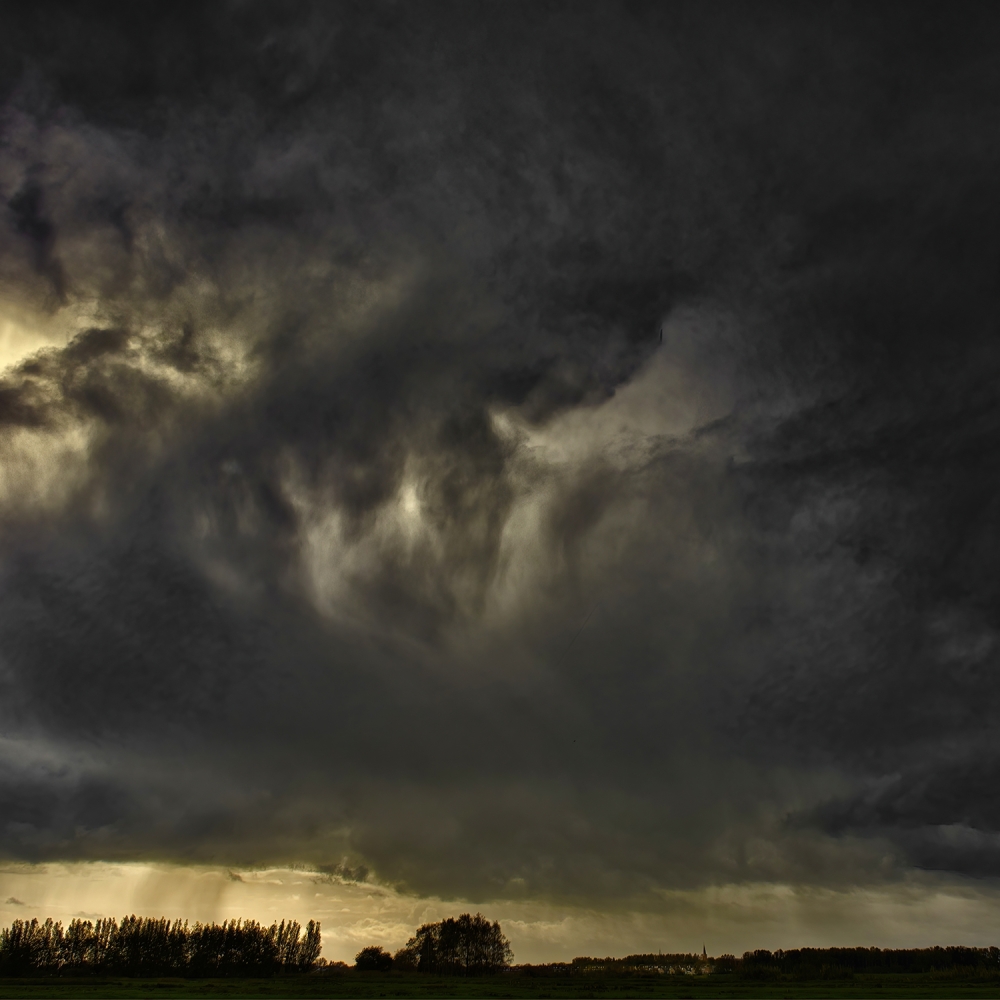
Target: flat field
366,985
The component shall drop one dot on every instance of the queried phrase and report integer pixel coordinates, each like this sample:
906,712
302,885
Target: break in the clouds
538,452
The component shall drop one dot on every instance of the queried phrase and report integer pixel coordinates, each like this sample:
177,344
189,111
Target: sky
535,457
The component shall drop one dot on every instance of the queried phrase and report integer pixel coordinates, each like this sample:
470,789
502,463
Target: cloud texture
537,451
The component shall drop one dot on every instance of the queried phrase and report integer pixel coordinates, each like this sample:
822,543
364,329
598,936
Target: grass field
365,985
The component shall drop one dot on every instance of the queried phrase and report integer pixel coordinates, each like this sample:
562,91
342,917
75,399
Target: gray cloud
355,515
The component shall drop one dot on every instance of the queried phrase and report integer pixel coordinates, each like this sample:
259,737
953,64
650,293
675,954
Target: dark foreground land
364,985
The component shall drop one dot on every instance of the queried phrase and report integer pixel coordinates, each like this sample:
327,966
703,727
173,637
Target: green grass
365,985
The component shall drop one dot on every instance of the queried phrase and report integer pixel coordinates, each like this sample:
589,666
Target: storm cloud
520,452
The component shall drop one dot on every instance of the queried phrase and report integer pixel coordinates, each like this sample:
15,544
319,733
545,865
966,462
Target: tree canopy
466,945
373,959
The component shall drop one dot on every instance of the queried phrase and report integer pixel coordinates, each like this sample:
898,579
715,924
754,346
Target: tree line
835,963
798,963
143,946
677,963
463,946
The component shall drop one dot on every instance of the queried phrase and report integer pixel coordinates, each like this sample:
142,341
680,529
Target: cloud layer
537,453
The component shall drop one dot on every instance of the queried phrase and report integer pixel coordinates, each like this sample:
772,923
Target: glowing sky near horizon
723,919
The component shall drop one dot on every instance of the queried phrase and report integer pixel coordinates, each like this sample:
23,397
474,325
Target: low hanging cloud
538,453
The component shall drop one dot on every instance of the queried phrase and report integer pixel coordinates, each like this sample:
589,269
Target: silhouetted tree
467,945
405,960
309,947
373,959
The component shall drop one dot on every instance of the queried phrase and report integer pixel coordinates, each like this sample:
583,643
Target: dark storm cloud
365,521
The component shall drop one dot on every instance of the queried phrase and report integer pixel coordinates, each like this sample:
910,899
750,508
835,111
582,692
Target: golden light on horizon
729,918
